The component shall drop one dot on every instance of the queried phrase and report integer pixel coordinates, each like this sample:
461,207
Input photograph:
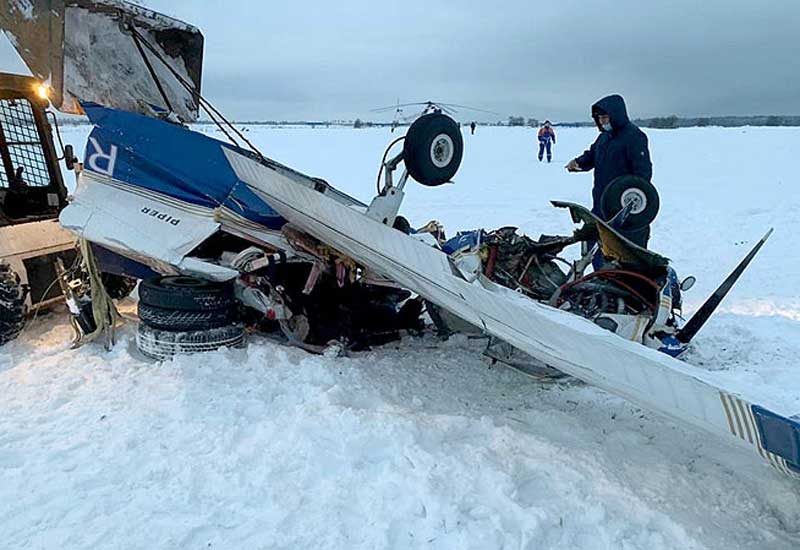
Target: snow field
422,443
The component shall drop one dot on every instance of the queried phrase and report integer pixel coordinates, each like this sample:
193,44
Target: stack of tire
181,315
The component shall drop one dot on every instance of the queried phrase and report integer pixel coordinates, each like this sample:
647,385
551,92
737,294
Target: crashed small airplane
210,226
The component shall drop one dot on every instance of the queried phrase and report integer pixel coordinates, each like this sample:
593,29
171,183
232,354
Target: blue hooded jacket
619,152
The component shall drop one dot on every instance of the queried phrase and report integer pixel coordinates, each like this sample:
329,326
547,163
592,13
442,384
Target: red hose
610,274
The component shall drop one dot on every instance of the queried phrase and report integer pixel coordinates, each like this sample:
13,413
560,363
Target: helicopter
424,108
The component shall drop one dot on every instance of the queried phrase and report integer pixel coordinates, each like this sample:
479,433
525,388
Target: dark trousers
545,145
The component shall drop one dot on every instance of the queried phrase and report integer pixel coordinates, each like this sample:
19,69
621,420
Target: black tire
629,187
180,320
12,305
163,344
186,293
433,149
402,224
118,286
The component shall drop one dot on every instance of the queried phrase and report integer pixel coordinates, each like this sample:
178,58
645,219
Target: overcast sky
324,60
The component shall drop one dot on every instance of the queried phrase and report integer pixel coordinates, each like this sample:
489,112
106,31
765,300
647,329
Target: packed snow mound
423,443
417,445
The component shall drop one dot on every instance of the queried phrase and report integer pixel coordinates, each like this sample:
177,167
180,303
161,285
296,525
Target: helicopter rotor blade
395,106
471,108
449,108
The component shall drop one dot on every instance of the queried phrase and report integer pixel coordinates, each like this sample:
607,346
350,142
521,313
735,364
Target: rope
151,71
103,309
202,101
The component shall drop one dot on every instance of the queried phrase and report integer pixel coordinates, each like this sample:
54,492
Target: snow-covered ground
423,443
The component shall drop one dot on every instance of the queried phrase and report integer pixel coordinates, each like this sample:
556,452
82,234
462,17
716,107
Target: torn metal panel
146,227
83,49
614,246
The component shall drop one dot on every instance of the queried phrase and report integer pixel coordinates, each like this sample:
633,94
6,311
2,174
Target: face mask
606,127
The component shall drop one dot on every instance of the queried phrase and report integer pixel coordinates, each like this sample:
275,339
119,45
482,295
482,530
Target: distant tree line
675,121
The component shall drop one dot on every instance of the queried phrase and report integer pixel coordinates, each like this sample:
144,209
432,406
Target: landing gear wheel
433,149
12,304
631,189
402,225
186,293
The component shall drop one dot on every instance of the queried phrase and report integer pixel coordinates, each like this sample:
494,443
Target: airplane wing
572,344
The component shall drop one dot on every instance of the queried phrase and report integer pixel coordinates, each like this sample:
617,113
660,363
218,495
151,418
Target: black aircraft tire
402,225
163,344
179,320
12,305
619,190
433,149
186,293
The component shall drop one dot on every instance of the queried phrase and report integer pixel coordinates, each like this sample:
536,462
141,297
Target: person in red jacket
547,138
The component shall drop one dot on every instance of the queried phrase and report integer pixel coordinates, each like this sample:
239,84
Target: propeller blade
691,328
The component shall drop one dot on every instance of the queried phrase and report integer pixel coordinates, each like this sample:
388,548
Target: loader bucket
88,50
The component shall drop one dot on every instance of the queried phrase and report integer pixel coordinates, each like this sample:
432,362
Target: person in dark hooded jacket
620,149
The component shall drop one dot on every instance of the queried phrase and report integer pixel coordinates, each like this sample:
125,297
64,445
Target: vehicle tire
163,344
12,304
433,149
180,320
186,293
118,286
402,225
627,188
